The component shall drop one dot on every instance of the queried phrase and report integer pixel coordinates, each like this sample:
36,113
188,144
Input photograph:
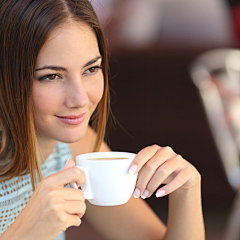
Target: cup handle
86,186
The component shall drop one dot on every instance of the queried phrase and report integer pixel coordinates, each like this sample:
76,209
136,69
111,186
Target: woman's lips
72,119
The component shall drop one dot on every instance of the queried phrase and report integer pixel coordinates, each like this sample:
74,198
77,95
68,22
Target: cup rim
113,154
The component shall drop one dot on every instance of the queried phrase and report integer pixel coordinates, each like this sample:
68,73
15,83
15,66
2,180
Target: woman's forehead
69,42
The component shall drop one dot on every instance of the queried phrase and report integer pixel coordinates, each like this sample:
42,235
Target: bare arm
133,220
185,220
136,220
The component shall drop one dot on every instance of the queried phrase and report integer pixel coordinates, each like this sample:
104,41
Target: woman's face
68,83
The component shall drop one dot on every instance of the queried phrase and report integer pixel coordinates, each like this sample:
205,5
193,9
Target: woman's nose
77,96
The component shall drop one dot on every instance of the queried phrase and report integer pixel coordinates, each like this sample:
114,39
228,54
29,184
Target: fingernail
136,193
145,194
160,193
133,169
67,161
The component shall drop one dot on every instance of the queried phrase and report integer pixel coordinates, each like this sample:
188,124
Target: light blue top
15,193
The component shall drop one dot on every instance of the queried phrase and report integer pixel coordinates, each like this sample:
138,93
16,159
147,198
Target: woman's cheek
45,100
95,91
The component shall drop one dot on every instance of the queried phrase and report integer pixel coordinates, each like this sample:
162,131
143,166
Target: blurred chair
216,74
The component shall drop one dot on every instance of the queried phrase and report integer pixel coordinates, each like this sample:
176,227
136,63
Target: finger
70,163
71,194
165,173
74,221
167,169
72,174
64,177
69,220
141,158
181,178
75,208
149,169
144,155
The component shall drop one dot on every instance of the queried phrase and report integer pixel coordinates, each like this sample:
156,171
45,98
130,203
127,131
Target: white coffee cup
107,180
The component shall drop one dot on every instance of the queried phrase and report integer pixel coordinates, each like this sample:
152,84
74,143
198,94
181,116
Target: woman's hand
157,165
52,208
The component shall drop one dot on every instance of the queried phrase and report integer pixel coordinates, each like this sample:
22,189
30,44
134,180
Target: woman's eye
49,77
92,70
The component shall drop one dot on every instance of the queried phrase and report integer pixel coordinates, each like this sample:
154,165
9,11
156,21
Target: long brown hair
24,27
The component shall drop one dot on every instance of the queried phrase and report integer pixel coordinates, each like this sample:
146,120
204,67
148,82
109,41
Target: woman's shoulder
14,195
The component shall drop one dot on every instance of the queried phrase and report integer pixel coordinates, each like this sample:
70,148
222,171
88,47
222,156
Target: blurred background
154,47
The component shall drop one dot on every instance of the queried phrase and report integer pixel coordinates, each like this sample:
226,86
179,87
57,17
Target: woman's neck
46,147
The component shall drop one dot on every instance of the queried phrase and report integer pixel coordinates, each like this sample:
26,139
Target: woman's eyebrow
92,61
57,68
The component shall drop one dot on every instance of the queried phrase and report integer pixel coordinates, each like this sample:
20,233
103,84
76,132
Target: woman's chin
72,138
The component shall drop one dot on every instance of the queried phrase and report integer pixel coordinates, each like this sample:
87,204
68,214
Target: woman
53,82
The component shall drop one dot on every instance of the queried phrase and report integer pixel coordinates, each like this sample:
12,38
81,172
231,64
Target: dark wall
155,101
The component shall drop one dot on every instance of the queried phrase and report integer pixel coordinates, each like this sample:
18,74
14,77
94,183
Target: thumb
70,163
